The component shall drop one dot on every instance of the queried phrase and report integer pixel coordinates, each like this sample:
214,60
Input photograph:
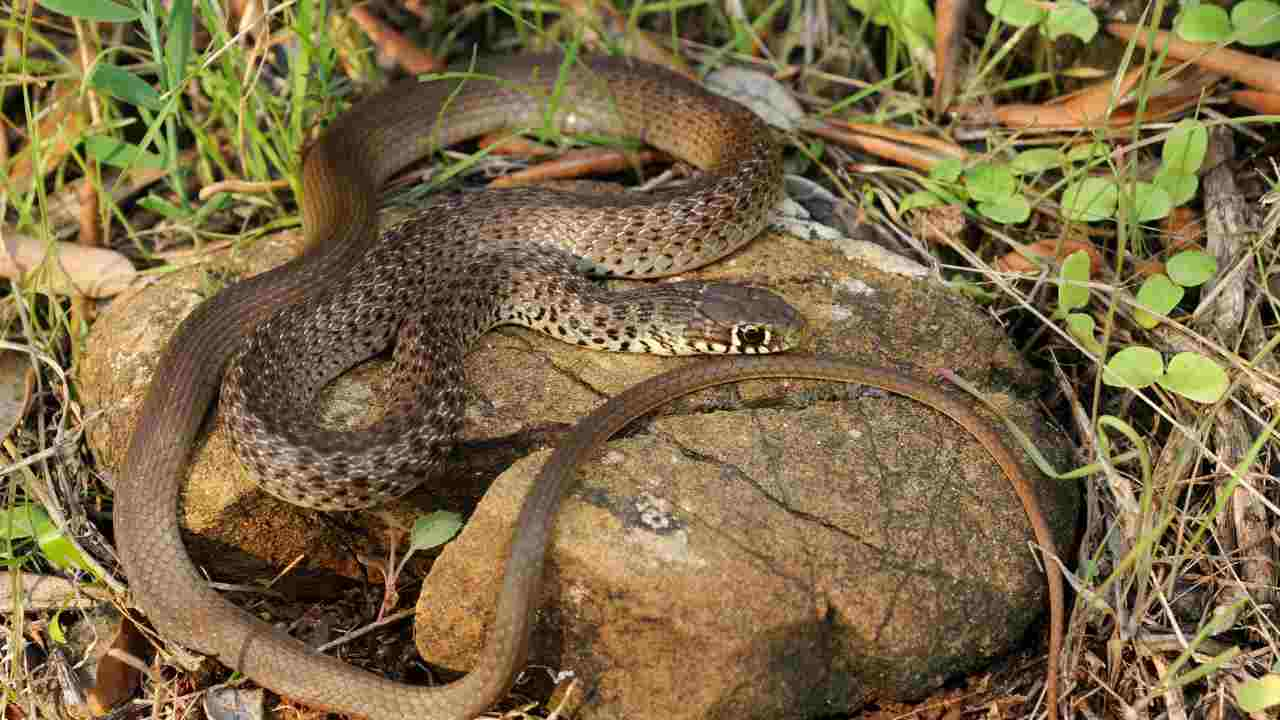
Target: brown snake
342,173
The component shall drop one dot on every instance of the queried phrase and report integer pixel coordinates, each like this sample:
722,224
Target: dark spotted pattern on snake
643,236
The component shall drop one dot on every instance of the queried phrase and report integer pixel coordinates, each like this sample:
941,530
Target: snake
432,285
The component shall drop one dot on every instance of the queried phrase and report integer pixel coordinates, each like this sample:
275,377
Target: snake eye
752,335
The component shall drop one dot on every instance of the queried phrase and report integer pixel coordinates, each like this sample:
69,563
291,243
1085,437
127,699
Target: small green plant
27,522
1251,22
146,97
994,188
1094,198
911,21
1203,23
1188,374
999,192
433,530
1063,18
428,531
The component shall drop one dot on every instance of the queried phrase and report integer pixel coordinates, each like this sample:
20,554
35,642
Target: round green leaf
1203,23
1258,694
1184,150
1259,20
947,170
435,529
1072,292
990,183
912,16
1037,160
1017,13
1150,202
1133,367
1068,18
1195,377
1081,328
1158,295
919,199
917,16
1191,268
1009,211
1090,200
1181,188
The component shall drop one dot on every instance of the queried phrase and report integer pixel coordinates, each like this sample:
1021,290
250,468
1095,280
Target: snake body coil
347,285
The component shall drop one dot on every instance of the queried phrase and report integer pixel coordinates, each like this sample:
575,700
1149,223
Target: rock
771,549
779,548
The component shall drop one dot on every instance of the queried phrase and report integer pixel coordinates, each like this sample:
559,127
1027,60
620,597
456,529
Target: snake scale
342,282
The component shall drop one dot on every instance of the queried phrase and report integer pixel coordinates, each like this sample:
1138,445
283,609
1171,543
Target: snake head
735,319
